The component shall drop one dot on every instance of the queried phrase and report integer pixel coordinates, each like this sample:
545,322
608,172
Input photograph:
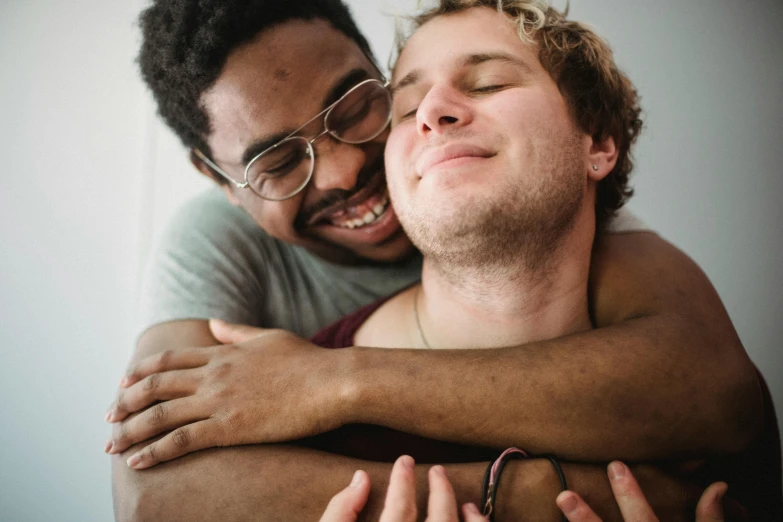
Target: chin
395,249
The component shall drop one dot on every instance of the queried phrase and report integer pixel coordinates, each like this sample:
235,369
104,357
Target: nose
337,164
442,109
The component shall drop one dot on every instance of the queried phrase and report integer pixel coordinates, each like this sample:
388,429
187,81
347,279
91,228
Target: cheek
398,152
275,217
398,158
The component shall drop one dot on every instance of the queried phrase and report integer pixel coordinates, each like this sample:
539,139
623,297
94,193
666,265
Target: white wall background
91,176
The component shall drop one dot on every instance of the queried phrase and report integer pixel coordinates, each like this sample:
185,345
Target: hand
261,386
632,502
400,505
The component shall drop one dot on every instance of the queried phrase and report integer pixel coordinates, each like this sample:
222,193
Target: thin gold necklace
416,316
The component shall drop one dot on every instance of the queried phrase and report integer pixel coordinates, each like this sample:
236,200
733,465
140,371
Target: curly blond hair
601,98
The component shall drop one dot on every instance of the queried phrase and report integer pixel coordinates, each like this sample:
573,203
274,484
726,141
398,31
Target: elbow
748,411
740,406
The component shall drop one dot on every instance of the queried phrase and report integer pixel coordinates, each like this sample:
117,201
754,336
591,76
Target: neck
508,304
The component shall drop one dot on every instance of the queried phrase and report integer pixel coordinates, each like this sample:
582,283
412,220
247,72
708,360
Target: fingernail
407,461
134,460
440,470
471,508
617,470
720,494
358,478
124,382
107,447
567,503
108,415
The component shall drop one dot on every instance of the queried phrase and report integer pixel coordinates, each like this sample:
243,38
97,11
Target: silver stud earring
595,168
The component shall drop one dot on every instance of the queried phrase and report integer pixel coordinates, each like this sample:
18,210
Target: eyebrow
470,60
348,80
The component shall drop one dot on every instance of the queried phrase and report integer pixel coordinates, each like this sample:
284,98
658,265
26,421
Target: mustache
337,197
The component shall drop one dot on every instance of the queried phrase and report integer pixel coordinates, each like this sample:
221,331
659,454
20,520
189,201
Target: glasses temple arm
217,169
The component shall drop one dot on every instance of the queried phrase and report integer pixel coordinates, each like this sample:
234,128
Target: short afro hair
185,44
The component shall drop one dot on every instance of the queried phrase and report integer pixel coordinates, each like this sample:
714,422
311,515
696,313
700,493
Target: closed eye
488,89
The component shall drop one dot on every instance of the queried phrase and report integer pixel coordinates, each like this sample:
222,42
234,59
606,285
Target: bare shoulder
390,325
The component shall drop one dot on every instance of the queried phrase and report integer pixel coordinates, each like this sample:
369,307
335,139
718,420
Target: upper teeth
369,217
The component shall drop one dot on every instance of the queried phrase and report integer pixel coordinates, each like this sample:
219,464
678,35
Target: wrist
350,385
528,491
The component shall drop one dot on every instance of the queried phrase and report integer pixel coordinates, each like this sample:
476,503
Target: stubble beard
521,225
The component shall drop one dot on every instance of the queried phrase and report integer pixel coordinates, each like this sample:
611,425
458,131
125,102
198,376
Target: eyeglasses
285,168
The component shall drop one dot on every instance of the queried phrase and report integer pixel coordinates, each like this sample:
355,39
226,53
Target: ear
220,180
602,158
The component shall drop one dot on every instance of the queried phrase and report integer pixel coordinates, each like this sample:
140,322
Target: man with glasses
311,237
284,169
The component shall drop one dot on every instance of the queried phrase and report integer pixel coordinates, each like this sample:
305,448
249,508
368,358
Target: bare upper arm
640,274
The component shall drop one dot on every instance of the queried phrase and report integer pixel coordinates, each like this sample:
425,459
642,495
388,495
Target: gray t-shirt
214,261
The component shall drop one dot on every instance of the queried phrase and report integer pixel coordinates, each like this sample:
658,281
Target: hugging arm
665,364
282,482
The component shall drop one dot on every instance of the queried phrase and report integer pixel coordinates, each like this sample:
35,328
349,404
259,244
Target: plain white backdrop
92,177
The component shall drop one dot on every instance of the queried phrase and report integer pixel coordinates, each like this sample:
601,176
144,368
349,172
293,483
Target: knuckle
221,370
132,371
152,452
152,382
158,414
165,358
409,512
119,404
234,420
181,438
121,432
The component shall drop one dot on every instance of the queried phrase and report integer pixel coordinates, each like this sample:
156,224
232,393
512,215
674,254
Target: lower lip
374,233
453,163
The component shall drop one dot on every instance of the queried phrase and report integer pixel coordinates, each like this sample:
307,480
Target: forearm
669,369
262,482
276,482
552,398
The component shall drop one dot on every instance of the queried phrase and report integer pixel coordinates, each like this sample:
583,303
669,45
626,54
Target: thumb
709,508
230,333
348,503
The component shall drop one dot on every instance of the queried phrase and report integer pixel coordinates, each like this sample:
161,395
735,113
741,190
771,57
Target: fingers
629,496
442,504
574,508
156,387
164,361
709,508
348,503
400,505
230,333
158,419
193,437
472,514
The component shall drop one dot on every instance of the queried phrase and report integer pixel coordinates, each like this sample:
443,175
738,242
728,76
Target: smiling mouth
362,214
362,209
451,154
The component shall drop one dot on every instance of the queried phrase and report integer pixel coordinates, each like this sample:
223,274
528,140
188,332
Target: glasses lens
362,115
281,172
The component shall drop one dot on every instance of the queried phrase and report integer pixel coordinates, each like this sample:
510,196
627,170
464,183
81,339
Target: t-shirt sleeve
208,263
625,221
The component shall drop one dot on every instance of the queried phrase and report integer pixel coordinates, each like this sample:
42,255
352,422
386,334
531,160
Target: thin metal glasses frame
325,113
